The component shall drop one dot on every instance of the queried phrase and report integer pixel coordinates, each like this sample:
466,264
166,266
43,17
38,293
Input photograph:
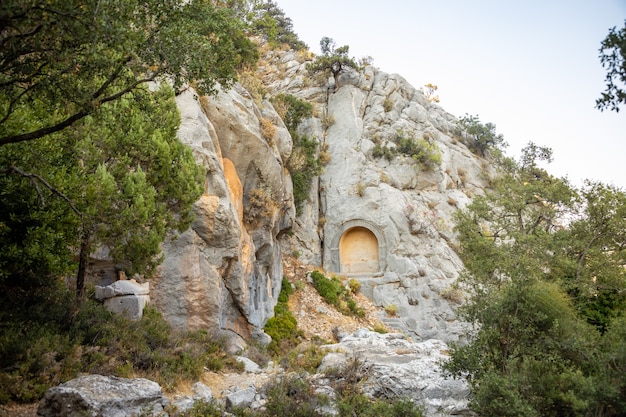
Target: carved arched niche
358,248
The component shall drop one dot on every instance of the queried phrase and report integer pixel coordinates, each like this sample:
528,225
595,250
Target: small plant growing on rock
430,93
462,175
328,121
253,84
355,286
387,105
268,130
453,295
260,206
391,310
380,327
359,189
324,154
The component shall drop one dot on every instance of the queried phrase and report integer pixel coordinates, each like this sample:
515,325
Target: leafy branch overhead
333,60
72,57
613,59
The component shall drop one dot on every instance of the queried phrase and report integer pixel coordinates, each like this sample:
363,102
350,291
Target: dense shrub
283,327
336,294
292,396
480,138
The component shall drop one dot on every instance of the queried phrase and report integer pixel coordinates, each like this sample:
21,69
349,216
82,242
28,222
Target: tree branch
35,177
85,111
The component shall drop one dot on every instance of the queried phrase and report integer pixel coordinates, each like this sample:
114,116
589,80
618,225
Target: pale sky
530,67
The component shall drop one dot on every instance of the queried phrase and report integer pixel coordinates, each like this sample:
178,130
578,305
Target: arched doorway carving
358,247
358,251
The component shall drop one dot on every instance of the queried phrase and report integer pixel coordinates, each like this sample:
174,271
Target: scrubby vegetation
293,396
335,293
50,342
304,164
283,327
424,152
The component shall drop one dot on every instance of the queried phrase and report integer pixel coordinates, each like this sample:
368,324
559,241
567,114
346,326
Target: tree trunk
82,266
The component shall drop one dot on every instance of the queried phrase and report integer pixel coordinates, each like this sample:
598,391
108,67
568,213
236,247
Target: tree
278,28
613,58
73,75
539,258
74,57
480,138
333,60
118,179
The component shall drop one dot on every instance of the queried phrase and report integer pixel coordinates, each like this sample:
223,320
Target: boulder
103,396
130,306
241,397
200,393
123,287
127,297
394,366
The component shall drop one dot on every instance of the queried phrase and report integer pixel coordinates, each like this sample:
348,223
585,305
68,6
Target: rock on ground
103,396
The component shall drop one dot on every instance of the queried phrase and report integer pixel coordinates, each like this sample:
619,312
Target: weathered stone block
129,305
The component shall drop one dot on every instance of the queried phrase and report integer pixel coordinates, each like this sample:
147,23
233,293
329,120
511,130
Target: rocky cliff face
387,223
224,273
384,222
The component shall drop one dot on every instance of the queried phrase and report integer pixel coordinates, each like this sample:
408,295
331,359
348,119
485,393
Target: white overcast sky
530,67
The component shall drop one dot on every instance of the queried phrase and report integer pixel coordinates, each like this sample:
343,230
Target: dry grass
268,130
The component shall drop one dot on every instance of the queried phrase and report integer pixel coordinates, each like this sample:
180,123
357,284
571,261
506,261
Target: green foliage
595,247
304,166
333,60
119,178
36,354
305,358
363,406
383,151
72,58
355,285
613,59
291,396
303,163
296,110
425,152
203,409
270,21
480,138
544,271
283,327
336,294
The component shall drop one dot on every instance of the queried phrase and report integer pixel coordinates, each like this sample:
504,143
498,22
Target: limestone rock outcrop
224,273
396,367
384,221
